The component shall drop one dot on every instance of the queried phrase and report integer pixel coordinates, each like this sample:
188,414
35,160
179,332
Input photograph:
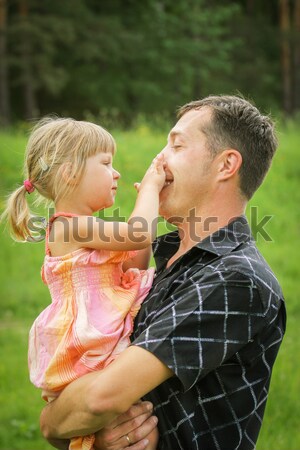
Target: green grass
23,294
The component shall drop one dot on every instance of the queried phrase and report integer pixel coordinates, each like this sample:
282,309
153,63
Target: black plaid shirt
216,318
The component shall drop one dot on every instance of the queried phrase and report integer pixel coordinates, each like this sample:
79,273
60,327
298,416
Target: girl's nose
117,174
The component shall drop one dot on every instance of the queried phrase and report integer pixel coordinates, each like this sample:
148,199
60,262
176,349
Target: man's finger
135,410
127,428
132,431
142,445
142,431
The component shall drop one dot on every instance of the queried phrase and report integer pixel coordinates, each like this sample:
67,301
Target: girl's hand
155,176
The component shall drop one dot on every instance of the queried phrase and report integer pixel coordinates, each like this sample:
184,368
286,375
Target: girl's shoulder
63,236
59,238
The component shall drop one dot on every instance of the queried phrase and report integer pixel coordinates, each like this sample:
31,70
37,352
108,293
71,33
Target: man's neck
196,228
202,223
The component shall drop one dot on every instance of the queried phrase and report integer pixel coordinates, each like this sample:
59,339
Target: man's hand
136,423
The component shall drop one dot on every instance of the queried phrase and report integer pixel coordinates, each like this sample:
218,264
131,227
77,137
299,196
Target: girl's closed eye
106,161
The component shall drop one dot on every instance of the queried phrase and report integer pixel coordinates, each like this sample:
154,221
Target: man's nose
166,155
164,151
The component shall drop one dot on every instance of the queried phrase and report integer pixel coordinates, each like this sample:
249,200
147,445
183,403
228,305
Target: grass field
23,294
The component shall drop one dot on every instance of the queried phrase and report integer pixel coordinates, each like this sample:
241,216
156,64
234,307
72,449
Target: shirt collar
220,243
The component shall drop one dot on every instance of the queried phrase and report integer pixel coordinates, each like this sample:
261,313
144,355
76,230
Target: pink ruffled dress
90,319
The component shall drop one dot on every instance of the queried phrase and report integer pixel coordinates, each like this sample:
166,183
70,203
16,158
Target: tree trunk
4,88
297,55
284,18
250,7
30,103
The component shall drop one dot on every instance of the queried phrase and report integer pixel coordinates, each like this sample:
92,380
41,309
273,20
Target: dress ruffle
90,319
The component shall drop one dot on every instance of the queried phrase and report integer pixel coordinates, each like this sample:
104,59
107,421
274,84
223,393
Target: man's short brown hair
237,124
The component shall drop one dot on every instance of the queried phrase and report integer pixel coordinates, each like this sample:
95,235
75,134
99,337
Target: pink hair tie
29,186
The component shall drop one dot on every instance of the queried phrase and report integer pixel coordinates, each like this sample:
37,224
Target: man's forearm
72,413
93,401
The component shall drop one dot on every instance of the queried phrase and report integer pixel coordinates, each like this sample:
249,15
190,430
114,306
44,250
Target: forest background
118,60
128,65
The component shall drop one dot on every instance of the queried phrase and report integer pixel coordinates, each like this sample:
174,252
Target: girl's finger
137,186
158,163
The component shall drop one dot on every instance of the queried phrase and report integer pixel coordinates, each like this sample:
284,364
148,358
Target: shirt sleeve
203,324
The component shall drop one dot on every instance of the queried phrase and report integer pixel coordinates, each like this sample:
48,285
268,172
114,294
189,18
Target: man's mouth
169,179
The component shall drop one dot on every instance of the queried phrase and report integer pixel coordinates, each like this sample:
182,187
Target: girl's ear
67,175
229,163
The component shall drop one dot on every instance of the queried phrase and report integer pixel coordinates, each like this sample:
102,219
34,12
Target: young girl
95,270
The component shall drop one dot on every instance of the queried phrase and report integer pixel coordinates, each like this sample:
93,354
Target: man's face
189,175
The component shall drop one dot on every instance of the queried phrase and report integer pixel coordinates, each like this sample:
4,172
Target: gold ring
128,440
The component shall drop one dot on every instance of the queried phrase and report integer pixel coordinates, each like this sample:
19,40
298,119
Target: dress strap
49,226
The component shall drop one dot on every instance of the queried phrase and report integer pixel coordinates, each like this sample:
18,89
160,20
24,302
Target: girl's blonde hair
55,144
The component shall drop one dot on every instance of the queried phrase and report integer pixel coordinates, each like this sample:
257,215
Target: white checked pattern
216,317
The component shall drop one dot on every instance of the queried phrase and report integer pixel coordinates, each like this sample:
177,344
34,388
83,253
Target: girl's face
98,185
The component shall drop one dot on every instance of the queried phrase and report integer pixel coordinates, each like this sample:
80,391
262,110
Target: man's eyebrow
174,134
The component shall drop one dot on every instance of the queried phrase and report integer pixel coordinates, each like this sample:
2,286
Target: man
207,336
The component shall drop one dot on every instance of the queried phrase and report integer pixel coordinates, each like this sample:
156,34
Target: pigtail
17,214
54,144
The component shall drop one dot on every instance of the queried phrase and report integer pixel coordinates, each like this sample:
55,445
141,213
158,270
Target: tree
27,77
297,55
4,87
114,60
289,21
284,21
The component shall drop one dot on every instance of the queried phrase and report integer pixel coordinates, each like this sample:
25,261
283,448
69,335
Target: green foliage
279,197
24,295
116,60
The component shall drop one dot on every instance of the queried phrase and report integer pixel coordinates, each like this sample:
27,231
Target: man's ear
228,164
67,174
